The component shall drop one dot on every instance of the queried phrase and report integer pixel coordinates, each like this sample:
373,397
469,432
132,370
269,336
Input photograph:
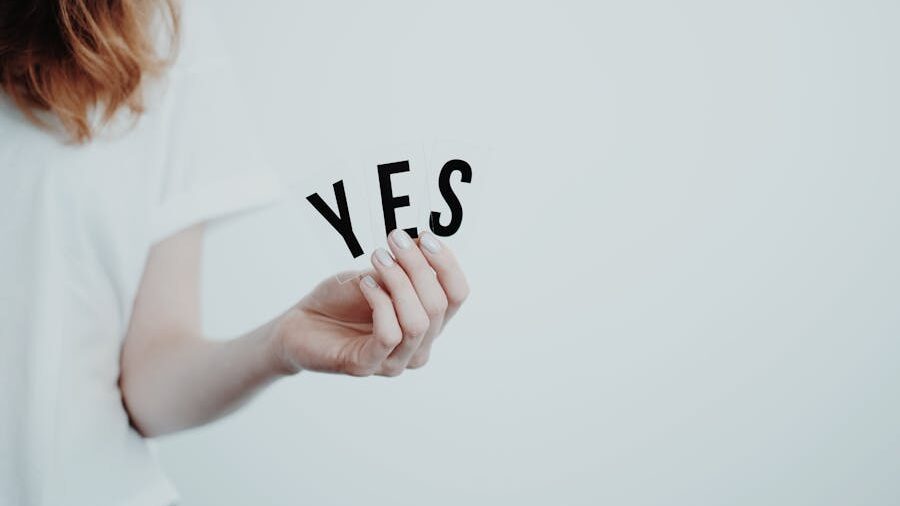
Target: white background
686,286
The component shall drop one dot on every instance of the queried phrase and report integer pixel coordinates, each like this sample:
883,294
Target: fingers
449,273
423,286
431,294
411,315
386,332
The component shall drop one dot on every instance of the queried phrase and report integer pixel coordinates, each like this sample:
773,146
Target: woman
111,161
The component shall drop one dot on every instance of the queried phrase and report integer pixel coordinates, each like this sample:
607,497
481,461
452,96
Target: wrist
279,338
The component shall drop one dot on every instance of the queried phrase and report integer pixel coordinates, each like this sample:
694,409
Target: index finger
386,333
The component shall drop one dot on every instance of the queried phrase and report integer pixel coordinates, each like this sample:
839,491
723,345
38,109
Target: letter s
456,210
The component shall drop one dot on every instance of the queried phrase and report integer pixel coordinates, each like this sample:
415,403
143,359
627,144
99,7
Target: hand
381,323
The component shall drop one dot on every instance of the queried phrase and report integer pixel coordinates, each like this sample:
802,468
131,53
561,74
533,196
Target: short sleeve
212,161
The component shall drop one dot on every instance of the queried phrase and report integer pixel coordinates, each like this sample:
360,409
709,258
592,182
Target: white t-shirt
76,225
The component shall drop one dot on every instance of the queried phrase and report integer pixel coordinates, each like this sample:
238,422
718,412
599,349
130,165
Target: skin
173,378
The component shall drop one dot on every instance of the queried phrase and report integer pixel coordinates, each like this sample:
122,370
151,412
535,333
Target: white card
457,175
395,180
334,210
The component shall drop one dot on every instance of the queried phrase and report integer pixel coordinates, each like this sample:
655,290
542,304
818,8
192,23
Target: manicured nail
369,280
401,238
430,243
383,257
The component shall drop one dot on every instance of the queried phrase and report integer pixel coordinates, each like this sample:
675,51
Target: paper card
457,174
395,178
333,209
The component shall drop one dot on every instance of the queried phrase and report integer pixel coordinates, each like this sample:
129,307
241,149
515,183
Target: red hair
68,56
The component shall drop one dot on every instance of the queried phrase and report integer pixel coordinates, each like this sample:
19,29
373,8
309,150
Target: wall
685,284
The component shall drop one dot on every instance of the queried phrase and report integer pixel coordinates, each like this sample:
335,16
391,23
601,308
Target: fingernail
369,280
383,257
401,238
430,243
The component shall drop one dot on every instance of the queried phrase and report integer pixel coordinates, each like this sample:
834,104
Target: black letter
388,201
340,223
456,211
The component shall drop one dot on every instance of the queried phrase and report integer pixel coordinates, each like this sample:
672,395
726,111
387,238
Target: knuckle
418,360
437,308
391,370
392,338
357,370
417,327
459,296
349,363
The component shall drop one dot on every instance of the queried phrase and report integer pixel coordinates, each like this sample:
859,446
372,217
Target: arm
172,378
